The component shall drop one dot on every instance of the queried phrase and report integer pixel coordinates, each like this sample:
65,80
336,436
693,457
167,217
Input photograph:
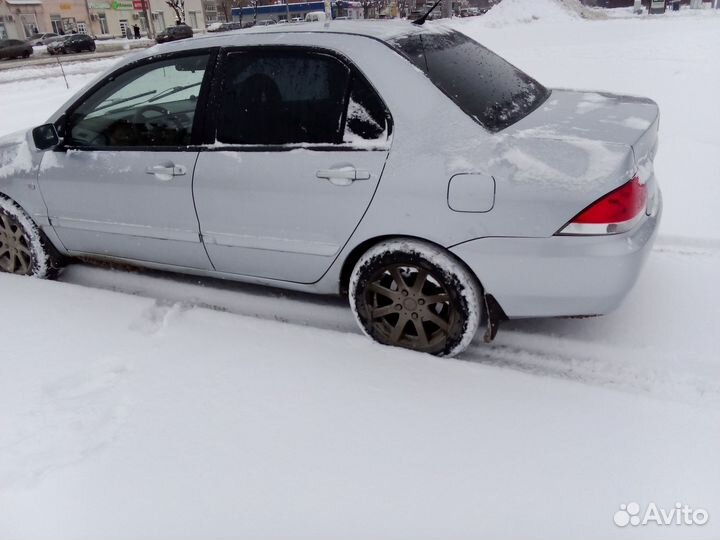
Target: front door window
153,105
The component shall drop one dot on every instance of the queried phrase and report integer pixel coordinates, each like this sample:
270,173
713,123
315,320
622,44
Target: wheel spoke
398,330
420,279
23,259
384,311
439,298
397,277
422,335
437,320
382,291
15,252
22,249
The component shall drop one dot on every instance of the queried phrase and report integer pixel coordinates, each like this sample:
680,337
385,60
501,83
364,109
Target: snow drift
510,12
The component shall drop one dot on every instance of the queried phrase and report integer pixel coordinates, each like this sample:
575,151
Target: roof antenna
422,19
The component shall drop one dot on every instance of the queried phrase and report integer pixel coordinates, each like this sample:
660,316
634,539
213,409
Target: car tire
414,294
24,249
26,54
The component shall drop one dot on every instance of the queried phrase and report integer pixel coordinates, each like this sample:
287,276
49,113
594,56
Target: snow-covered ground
139,405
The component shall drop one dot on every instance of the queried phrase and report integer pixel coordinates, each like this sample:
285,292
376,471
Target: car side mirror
45,136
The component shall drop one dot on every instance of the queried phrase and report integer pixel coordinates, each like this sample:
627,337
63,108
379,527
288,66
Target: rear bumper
561,275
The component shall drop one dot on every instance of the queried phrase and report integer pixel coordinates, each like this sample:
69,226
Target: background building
100,18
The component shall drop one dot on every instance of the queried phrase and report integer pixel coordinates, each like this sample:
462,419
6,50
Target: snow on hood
16,156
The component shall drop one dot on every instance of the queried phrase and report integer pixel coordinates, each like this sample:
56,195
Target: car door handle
165,172
343,176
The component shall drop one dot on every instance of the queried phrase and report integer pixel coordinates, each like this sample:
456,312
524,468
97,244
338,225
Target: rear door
301,140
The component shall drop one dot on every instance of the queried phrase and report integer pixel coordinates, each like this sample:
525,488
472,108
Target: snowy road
144,405
663,354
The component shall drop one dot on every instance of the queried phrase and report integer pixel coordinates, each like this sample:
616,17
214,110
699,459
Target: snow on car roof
378,29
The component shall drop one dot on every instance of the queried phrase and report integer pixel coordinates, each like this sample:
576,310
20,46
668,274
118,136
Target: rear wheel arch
441,312
358,251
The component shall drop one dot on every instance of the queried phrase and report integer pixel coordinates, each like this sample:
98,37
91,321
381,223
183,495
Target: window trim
198,121
209,143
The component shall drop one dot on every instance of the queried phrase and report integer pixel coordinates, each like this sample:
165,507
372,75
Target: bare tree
178,6
226,7
403,7
372,5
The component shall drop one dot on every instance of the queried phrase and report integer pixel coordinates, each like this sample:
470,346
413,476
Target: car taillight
616,212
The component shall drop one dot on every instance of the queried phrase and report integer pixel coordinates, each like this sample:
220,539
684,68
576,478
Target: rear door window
282,97
489,89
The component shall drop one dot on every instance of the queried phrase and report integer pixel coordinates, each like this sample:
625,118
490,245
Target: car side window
151,105
367,117
282,97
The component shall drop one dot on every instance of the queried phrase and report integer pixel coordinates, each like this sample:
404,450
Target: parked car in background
14,48
42,39
226,26
75,43
299,163
174,33
316,16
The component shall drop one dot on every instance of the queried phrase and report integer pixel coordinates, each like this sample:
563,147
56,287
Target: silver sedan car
409,167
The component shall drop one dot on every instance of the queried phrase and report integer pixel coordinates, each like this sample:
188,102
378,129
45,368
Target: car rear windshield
489,89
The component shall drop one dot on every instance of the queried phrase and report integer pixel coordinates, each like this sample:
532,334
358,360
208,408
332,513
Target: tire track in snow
527,346
687,246
611,367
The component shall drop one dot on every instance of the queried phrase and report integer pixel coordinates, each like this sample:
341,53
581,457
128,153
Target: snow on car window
366,114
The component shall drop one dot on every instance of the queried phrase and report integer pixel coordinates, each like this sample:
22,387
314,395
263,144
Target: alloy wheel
408,306
15,251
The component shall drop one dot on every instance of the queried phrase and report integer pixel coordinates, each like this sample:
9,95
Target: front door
301,142
121,183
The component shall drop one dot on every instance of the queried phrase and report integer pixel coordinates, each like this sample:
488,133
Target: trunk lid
573,149
596,116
